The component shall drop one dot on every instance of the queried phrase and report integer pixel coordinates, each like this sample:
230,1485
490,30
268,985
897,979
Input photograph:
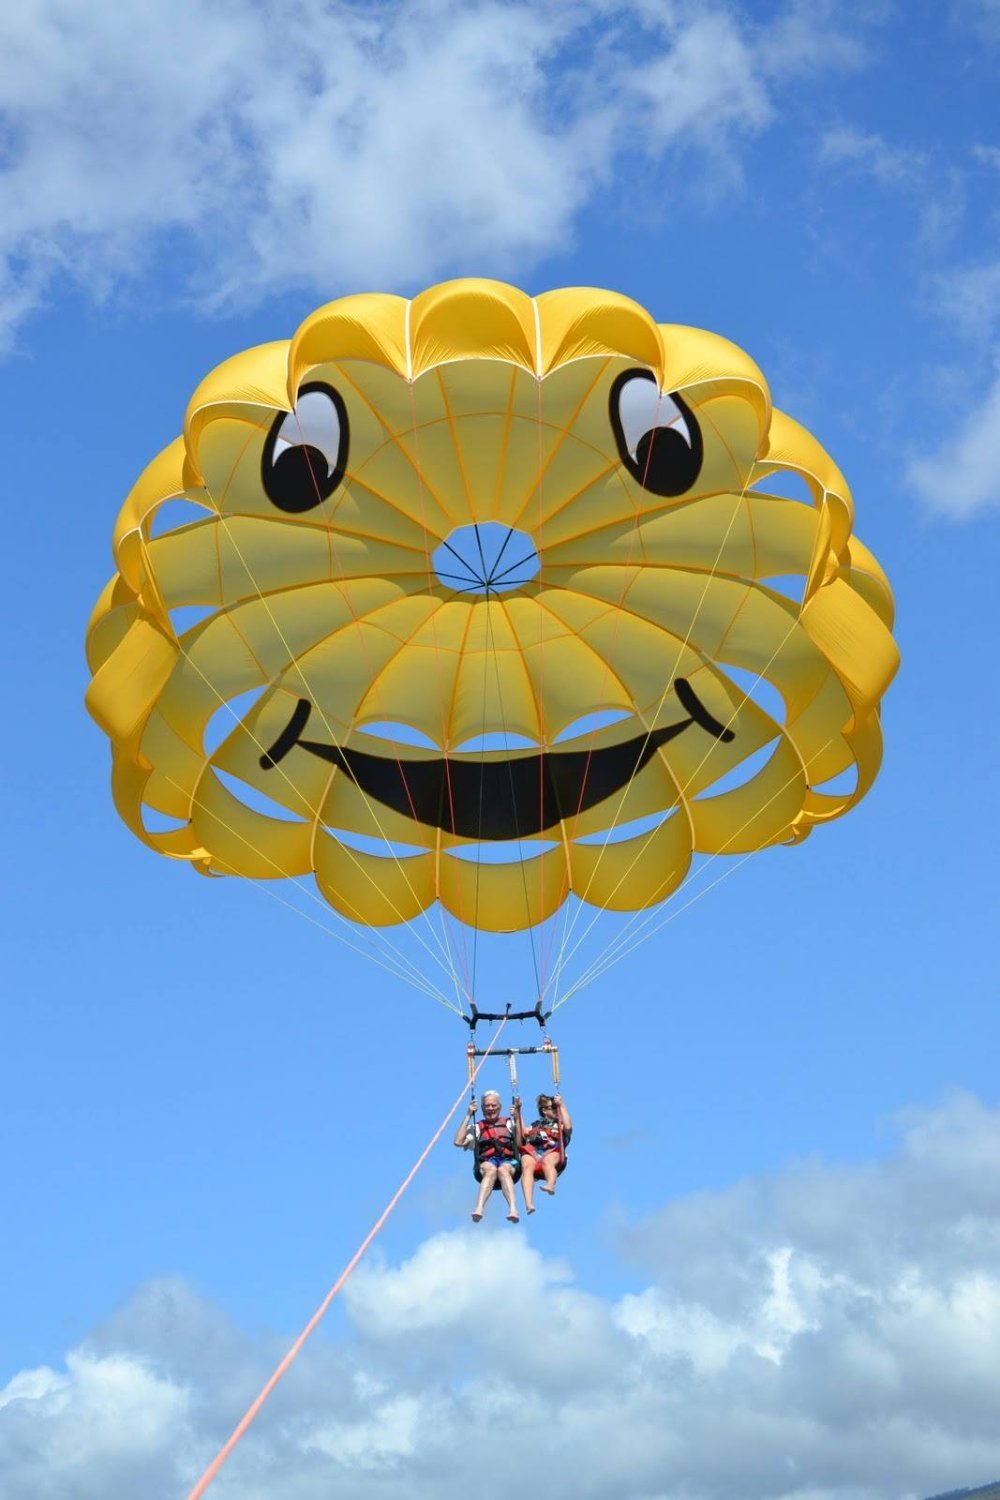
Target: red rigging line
240,1430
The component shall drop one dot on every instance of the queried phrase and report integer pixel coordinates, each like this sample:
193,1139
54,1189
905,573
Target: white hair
491,1094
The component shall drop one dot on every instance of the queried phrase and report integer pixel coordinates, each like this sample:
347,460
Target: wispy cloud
820,1333
981,17
961,478
987,156
329,147
958,478
969,297
872,154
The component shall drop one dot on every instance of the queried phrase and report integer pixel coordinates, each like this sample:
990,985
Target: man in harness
496,1140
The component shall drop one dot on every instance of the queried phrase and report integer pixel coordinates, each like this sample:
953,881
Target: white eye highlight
658,437
315,423
642,407
306,450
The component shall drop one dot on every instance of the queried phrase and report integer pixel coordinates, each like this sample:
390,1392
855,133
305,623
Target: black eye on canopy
659,440
305,454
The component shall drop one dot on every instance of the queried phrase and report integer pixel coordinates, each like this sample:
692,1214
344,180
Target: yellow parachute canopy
422,528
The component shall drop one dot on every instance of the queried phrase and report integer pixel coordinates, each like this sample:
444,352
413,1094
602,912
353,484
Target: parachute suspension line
598,969
448,965
740,501
615,949
387,942
640,919
545,941
290,1357
444,957
397,963
542,468
479,839
556,946
432,994
510,767
416,465
647,838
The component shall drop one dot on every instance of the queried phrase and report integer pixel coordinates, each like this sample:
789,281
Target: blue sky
775,1262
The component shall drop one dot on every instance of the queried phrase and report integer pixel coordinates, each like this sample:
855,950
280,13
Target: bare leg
489,1177
549,1163
507,1188
528,1183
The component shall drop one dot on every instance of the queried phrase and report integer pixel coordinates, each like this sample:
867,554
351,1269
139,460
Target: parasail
498,600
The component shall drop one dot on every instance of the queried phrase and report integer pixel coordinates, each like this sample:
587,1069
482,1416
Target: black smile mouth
518,796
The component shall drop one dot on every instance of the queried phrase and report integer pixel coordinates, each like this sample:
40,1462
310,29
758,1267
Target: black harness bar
477,1015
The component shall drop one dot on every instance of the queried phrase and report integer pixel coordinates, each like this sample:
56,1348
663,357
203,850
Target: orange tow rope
255,1406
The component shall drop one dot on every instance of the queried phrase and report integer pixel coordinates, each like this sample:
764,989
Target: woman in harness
496,1140
543,1153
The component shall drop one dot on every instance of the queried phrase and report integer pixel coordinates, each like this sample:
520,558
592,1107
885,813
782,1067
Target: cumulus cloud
248,149
822,1334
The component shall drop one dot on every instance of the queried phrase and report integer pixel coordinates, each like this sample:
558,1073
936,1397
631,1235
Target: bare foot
476,1217
514,1218
543,1189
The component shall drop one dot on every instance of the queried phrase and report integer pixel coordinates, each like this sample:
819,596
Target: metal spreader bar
547,1047
472,1020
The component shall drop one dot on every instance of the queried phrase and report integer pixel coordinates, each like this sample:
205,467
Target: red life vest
494,1140
544,1135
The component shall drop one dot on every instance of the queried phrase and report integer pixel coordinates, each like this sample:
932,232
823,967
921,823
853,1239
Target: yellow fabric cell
125,687
694,357
246,388
245,842
579,323
370,326
867,578
510,897
865,744
161,480
375,891
481,319
128,789
653,790
345,807
636,873
625,467
110,621
854,641
756,814
713,536
402,476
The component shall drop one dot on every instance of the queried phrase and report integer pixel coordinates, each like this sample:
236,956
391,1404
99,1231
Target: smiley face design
487,599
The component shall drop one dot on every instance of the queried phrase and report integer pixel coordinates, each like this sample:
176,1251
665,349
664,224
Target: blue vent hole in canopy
486,558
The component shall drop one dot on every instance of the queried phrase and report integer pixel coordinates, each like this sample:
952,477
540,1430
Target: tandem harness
498,1137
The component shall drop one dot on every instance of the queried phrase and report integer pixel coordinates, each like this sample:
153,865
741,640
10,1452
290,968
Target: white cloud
889,165
934,185
969,297
961,478
259,148
822,1334
958,477
981,17
987,156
